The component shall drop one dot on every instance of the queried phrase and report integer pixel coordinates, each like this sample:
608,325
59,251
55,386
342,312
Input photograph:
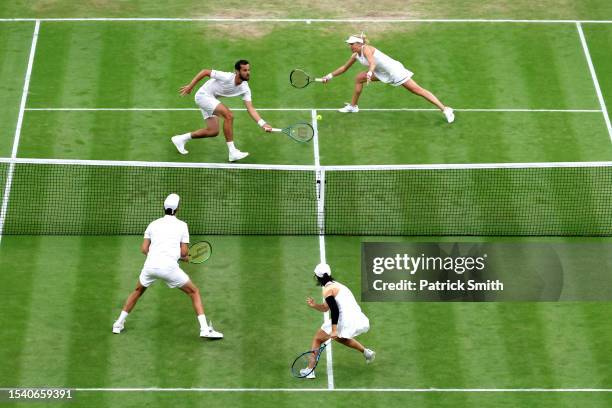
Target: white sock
231,147
186,137
122,316
203,323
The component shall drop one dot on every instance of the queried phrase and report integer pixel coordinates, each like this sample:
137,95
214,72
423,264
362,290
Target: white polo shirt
222,84
166,235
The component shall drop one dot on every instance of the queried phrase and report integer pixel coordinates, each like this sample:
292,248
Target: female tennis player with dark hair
382,68
346,318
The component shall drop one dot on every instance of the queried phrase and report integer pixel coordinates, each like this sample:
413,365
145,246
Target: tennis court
85,140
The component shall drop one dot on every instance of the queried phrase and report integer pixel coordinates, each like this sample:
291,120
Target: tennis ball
319,117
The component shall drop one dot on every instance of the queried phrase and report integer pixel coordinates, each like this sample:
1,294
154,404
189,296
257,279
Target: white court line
398,390
328,109
24,97
320,175
318,20
602,103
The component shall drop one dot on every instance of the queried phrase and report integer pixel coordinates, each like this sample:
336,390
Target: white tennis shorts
348,328
207,104
172,275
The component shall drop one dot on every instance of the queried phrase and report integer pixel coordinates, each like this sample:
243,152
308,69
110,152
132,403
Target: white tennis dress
387,69
166,235
352,322
221,84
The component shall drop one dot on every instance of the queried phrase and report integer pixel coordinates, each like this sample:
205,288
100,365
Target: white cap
322,269
352,40
172,202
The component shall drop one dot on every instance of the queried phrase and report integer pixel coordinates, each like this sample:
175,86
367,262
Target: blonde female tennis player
347,321
381,68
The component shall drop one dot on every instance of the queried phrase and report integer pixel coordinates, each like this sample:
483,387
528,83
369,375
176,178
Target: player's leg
211,129
207,106
360,79
319,338
193,292
416,89
128,307
354,344
228,121
228,130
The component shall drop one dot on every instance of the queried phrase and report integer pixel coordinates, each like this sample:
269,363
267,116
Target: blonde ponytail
364,37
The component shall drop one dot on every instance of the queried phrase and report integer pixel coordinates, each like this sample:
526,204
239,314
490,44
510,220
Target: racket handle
318,79
276,130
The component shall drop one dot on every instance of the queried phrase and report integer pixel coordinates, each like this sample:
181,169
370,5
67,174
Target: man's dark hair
169,211
240,63
323,281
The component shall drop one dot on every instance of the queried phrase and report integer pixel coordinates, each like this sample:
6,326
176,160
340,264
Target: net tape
85,199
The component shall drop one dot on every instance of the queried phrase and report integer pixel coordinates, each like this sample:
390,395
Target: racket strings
299,78
302,132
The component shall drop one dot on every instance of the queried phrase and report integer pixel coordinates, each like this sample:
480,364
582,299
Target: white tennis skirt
349,326
395,76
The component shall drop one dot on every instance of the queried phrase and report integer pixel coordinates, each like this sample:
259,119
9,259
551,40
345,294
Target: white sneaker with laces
450,114
237,155
348,108
210,333
179,144
369,355
304,372
117,327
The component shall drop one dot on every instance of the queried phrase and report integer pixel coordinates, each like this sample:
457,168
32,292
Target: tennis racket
300,369
300,79
300,132
199,252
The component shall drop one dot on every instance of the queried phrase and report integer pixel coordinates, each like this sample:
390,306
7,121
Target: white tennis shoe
210,333
117,327
304,373
180,144
237,155
348,108
369,355
450,114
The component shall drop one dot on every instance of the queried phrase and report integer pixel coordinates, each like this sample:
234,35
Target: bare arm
316,306
330,290
144,248
341,70
184,252
255,116
189,87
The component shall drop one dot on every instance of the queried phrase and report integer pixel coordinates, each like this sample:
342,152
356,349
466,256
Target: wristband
369,75
261,122
329,76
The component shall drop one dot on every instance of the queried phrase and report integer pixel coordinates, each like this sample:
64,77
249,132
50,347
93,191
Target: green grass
15,40
522,9
61,294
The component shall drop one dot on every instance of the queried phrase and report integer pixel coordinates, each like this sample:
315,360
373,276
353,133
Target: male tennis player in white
221,84
382,68
346,318
166,241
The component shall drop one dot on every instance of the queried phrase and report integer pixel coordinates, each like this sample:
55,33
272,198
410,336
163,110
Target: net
529,201
85,199
108,198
